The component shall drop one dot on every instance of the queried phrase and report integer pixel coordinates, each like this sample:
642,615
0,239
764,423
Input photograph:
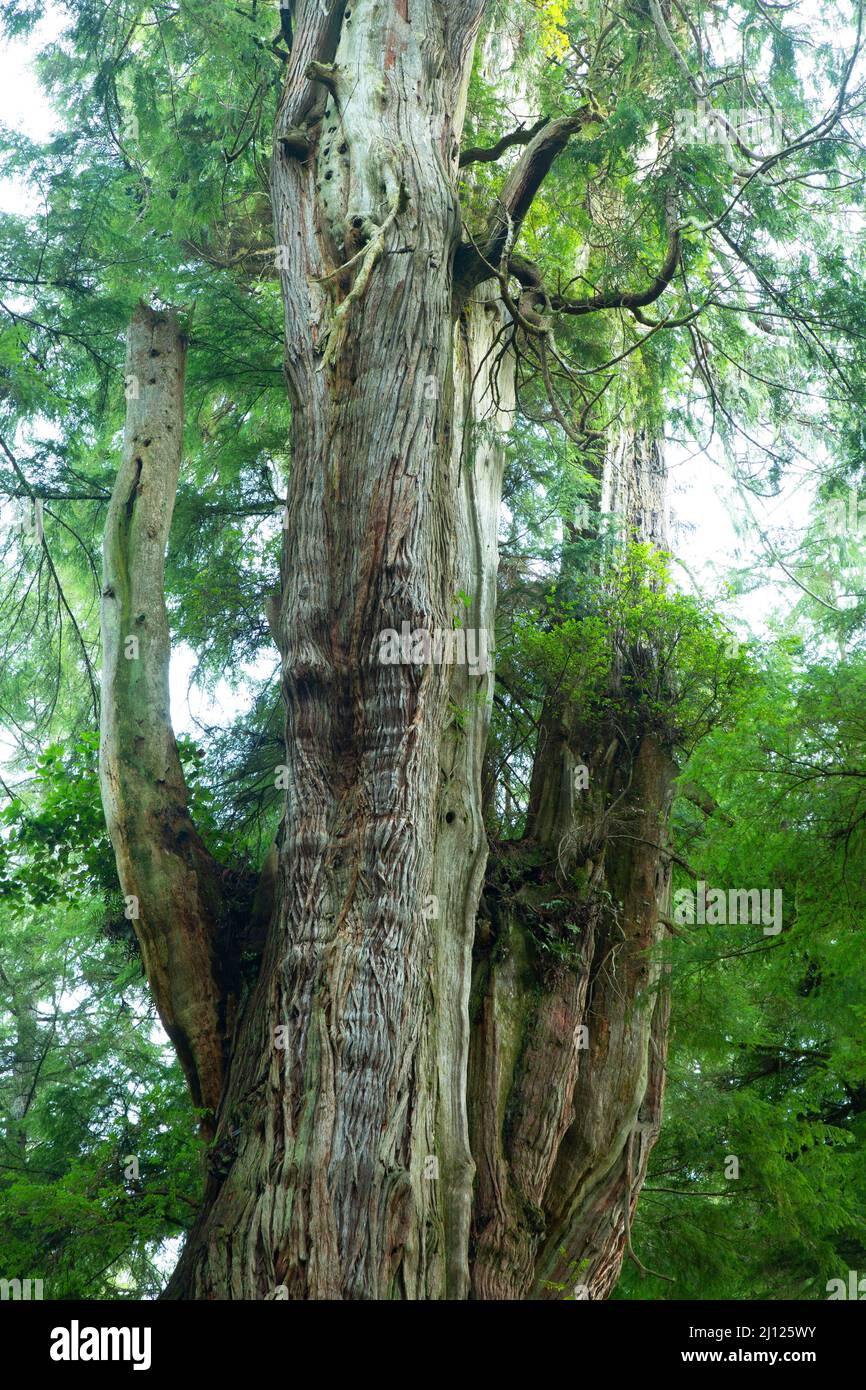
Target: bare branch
523,135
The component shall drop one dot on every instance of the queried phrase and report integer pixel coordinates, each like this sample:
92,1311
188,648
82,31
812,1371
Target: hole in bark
154,352
341,149
330,174
449,818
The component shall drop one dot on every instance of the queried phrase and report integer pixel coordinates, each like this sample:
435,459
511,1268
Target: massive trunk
339,1089
403,1105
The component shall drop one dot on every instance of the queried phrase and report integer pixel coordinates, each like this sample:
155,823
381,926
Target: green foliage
98,1154
57,849
571,1290
678,673
155,186
767,1059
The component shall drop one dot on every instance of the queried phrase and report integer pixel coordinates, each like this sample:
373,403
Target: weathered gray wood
161,861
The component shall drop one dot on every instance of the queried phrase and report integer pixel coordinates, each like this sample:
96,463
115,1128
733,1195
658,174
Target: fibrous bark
329,1195
484,401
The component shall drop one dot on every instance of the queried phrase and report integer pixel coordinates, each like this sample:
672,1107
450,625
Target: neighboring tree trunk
617,1112
569,1025
172,885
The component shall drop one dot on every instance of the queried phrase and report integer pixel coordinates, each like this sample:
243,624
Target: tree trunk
569,1024
329,1194
484,401
172,886
357,1090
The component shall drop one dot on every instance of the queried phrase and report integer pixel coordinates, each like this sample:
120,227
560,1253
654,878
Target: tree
434,1076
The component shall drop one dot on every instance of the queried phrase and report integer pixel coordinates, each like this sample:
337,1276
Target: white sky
22,105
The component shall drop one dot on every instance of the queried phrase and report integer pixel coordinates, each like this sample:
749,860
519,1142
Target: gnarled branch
627,299
474,263
488,154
